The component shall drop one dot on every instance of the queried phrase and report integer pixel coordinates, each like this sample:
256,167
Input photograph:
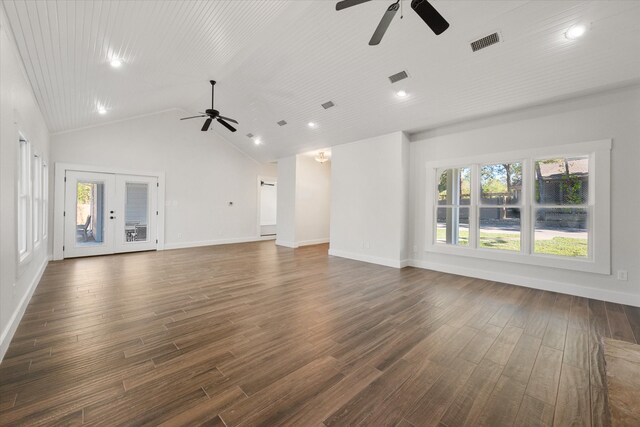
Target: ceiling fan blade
384,24
228,119
348,3
206,125
430,16
192,117
227,125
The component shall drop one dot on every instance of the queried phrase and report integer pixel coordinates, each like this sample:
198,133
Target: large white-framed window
500,205
453,200
45,200
545,206
36,191
560,211
24,200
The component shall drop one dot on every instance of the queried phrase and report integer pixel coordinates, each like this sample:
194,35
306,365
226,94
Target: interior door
137,204
268,206
89,214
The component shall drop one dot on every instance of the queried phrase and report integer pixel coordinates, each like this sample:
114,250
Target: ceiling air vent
328,105
282,123
485,42
249,135
398,76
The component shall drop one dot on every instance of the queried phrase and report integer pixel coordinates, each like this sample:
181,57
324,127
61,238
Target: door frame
107,243
120,245
259,205
60,169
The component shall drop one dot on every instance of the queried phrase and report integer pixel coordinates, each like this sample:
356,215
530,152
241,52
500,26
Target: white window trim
24,190
45,200
599,260
36,199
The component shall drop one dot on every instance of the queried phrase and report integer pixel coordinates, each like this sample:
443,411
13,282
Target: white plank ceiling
279,60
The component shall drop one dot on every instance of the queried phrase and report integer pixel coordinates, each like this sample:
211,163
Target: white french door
109,213
137,207
88,213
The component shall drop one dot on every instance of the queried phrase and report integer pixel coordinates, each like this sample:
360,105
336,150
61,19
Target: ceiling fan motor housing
212,113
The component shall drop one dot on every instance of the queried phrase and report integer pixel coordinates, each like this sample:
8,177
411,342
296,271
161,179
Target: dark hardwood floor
254,334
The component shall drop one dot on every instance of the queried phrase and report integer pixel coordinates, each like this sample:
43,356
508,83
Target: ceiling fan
423,8
211,114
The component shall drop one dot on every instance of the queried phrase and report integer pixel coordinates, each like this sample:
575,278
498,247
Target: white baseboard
388,262
286,243
14,320
294,245
313,242
532,282
184,245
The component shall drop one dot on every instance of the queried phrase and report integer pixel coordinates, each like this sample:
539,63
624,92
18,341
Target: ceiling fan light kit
212,114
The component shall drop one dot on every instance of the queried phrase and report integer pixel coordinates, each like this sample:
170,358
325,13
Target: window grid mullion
525,218
474,213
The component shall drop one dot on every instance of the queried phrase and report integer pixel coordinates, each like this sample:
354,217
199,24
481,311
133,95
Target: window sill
577,264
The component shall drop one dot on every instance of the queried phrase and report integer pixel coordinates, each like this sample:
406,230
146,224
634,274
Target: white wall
615,115
203,173
313,198
369,202
286,226
304,196
19,112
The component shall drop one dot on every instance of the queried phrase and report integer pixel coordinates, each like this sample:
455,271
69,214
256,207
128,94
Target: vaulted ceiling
280,60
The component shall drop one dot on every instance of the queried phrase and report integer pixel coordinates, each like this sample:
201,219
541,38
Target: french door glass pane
136,212
561,231
453,226
500,228
90,213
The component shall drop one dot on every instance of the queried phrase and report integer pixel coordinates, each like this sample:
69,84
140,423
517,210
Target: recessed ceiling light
401,94
102,110
116,63
257,141
312,125
575,32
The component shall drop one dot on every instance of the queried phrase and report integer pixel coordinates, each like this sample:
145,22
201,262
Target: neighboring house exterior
562,183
